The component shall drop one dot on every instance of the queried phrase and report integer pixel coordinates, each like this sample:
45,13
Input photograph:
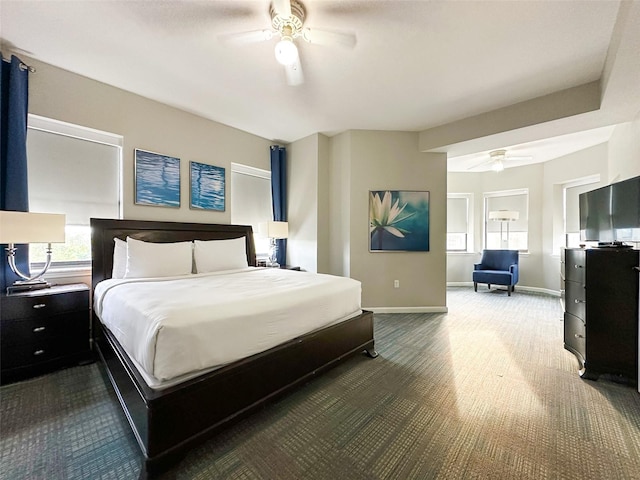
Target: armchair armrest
513,269
477,266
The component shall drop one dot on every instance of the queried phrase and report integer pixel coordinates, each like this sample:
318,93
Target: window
75,171
251,201
458,221
512,234
571,208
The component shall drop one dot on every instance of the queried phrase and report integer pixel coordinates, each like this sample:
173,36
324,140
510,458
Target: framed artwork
398,221
157,179
207,186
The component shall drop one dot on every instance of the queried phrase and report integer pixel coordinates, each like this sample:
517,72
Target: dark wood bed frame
166,423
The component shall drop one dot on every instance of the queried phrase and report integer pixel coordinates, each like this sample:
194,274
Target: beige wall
62,95
302,169
340,199
149,125
308,211
624,151
391,160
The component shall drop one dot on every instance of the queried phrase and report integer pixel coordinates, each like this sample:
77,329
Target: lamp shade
504,215
28,227
274,229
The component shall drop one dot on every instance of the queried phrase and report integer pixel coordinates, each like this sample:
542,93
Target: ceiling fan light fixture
286,51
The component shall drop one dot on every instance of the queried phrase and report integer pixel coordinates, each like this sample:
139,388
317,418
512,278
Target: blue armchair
498,267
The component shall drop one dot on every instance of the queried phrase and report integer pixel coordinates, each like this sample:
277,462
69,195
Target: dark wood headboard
103,232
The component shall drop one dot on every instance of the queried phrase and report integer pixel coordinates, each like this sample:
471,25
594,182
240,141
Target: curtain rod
23,66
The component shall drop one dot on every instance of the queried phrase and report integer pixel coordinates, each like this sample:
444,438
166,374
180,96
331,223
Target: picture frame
398,221
157,179
207,187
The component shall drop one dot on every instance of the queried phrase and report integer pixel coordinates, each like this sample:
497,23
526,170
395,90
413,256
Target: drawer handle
40,305
577,335
580,301
578,266
39,329
38,352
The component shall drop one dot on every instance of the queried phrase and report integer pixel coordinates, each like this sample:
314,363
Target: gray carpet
485,391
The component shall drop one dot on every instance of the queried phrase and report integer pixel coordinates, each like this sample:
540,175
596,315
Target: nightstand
43,330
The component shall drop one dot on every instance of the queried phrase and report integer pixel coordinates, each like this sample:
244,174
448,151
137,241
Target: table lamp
29,227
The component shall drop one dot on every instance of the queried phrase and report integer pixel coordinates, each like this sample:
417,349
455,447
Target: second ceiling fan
287,26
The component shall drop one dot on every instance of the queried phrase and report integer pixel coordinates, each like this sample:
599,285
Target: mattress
174,328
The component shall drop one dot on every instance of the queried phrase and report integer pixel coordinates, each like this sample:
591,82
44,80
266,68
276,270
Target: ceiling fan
287,25
497,159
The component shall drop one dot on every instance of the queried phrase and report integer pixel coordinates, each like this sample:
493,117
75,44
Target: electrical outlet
396,284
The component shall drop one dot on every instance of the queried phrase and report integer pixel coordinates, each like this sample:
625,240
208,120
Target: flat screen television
611,214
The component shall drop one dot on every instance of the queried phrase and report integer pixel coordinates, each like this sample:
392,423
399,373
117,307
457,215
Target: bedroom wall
150,125
624,151
303,177
568,168
391,160
339,186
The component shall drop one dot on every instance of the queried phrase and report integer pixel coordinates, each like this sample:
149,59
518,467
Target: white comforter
177,325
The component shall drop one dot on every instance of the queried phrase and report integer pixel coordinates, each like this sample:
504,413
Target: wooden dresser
43,330
600,290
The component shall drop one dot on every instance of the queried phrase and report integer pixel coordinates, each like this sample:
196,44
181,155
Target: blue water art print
157,179
398,221
207,187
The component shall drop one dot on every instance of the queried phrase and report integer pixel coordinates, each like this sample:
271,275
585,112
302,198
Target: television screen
595,217
611,213
625,205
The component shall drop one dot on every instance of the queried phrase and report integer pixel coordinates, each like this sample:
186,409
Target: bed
168,421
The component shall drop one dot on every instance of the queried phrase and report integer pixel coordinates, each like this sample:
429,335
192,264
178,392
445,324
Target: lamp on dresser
29,227
274,230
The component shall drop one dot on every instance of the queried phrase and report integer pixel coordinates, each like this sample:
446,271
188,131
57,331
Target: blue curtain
279,195
14,87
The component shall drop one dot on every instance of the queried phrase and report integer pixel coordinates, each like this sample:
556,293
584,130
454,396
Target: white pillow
218,255
147,259
119,258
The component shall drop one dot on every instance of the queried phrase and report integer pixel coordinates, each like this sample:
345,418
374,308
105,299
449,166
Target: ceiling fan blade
244,38
294,73
282,7
329,38
481,164
519,157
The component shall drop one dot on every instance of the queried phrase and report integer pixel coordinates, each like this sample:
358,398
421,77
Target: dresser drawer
575,299
41,306
31,330
574,266
575,334
44,350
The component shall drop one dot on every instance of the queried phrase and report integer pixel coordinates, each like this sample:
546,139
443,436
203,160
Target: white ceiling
416,64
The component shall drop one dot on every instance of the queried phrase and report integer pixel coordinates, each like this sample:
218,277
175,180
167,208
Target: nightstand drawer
44,350
31,330
40,306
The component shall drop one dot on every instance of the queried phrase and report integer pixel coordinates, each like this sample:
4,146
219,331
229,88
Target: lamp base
25,286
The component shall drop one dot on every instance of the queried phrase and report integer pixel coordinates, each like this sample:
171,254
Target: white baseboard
407,309
524,288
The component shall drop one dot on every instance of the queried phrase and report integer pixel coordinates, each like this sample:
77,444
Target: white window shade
72,176
457,209
250,200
